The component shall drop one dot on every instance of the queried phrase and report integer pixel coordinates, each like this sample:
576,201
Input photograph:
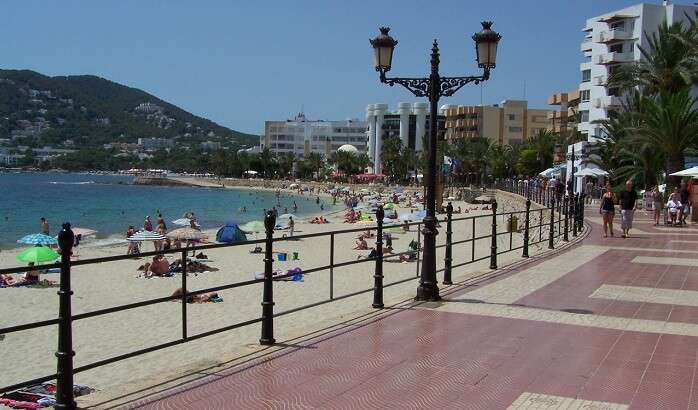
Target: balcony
613,58
612,35
599,80
610,101
586,45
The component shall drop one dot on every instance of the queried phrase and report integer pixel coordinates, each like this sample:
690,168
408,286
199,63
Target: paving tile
538,340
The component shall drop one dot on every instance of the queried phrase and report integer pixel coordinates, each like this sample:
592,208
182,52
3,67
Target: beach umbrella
182,221
146,236
690,172
187,234
37,239
38,254
253,226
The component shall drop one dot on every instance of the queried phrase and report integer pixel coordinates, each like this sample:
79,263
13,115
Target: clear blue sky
240,63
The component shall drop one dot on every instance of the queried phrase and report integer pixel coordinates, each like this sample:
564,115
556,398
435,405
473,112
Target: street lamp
434,87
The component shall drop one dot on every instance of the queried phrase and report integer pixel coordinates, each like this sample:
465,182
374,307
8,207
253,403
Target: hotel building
410,123
510,122
300,136
611,40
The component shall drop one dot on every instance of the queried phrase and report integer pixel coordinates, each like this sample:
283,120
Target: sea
110,203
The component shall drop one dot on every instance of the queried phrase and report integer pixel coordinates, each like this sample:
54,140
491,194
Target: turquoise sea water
110,203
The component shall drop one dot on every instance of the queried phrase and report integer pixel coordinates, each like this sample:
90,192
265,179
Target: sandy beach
30,354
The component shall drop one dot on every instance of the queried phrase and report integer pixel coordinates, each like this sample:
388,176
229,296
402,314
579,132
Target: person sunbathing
371,255
32,275
7,280
194,266
361,245
195,298
158,267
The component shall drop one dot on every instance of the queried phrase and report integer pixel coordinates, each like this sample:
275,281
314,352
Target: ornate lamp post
434,87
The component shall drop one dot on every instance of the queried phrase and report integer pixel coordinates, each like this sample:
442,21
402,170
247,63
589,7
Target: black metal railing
540,226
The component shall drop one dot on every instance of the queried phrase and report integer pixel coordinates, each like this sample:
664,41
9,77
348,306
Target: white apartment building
410,123
611,40
300,136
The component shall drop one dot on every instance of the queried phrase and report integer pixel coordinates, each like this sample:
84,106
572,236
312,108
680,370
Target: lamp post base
428,293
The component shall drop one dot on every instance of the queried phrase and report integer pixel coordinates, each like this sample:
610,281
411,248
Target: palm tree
544,145
266,157
667,65
624,154
670,125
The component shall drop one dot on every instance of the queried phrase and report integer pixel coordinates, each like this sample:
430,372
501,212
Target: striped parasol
187,234
38,239
146,236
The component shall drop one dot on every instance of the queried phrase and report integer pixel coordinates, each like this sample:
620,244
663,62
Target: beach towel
291,275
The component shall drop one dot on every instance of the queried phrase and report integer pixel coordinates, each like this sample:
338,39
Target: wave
71,183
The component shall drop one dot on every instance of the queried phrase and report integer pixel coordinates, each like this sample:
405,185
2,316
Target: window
584,116
586,76
512,117
584,95
618,25
515,129
616,48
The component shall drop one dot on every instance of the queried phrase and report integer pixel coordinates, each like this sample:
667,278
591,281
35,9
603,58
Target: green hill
39,110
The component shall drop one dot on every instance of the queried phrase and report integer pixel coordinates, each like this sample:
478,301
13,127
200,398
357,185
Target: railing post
448,260
573,211
184,294
65,398
268,296
551,233
566,210
493,246
526,237
378,273
581,211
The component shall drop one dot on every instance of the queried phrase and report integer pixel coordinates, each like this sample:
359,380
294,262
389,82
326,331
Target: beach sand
30,354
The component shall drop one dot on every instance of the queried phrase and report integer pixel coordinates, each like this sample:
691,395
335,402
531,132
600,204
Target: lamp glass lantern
486,42
383,47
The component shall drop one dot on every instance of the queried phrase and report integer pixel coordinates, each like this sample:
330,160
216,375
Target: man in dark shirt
683,192
628,196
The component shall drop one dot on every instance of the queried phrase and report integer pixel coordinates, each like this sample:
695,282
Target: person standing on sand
148,224
291,225
627,208
44,226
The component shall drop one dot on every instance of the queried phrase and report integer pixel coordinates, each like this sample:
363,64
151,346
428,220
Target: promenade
602,324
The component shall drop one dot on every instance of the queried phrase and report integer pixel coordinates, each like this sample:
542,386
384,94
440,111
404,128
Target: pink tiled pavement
419,358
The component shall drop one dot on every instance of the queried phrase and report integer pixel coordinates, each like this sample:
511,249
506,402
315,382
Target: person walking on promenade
44,226
657,204
608,209
628,196
684,195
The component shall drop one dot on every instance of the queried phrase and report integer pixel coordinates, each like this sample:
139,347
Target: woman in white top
673,206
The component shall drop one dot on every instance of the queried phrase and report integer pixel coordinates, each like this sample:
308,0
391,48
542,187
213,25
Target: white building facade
611,40
410,122
300,136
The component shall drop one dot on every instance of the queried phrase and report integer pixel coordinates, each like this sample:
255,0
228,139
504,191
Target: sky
240,63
